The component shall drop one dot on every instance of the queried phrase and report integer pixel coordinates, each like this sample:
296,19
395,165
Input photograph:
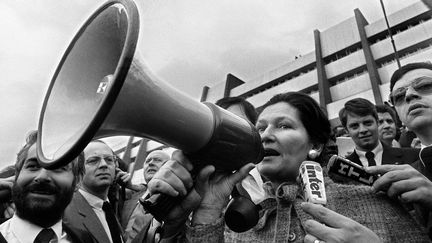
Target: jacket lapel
90,220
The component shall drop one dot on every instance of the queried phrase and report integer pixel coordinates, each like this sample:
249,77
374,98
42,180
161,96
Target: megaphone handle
159,204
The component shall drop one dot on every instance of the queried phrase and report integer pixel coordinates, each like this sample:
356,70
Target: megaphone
100,88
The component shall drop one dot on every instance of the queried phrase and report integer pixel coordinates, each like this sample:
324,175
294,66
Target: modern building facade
351,59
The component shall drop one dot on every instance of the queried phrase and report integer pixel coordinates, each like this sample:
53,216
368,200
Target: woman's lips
270,152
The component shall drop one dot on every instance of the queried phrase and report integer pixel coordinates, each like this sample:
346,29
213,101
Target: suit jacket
392,155
80,215
129,206
423,214
77,236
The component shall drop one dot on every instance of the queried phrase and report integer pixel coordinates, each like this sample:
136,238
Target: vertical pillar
141,155
230,83
323,83
204,93
370,61
127,153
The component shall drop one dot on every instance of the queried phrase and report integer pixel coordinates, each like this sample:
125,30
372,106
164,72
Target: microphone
312,182
348,169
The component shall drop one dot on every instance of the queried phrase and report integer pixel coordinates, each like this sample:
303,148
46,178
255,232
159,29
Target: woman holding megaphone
293,129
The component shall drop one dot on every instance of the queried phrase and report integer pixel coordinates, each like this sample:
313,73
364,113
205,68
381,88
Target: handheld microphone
312,182
348,169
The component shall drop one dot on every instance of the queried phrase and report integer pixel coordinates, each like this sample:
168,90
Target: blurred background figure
138,224
387,130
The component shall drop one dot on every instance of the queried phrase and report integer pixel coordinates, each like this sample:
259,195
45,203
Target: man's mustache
42,187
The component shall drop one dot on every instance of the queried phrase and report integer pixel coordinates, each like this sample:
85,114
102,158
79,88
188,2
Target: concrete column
230,83
323,83
370,61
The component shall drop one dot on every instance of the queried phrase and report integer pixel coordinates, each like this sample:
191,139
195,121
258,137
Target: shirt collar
26,231
422,146
378,150
94,201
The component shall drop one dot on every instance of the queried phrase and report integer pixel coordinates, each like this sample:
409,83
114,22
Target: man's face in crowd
415,110
363,131
41,195
386,126
100,164
153,162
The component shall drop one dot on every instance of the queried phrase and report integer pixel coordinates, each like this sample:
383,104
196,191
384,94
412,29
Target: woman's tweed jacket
282,219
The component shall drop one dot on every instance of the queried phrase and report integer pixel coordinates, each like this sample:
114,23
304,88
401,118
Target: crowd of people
80,201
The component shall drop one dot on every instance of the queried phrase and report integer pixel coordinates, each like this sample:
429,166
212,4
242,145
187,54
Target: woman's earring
313,154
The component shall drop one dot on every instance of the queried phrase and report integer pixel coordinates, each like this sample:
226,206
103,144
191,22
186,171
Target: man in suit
360,119
90,209
41,196
140,225
411,94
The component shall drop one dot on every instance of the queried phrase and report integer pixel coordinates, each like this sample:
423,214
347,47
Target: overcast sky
186,43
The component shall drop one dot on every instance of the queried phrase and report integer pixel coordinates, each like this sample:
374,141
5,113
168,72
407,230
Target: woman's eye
260,129
284,126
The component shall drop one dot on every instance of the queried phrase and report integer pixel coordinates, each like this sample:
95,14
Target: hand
404,182
334,227
123,178
416,143
215,189
174,179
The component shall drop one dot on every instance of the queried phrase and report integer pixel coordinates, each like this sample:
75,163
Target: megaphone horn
101,89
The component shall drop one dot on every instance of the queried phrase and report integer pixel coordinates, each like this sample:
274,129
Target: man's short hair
406,68
77,164
387,109
359,107
249,109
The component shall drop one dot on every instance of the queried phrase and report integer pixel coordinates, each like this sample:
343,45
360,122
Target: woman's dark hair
312,116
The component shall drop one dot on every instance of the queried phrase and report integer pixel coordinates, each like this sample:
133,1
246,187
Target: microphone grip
348,169
312,182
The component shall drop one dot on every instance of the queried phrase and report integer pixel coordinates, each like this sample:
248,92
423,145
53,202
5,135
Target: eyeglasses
95,160
422,85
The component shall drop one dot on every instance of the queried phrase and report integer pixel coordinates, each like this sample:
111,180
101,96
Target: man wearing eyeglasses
90,209
411,94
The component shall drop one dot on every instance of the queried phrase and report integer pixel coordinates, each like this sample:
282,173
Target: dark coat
424,215
392,155
80,215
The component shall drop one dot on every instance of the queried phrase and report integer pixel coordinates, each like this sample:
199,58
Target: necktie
370,156
112,222
45,236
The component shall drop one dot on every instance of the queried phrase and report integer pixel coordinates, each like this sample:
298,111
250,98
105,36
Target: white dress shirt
17,230
378,151
96,203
